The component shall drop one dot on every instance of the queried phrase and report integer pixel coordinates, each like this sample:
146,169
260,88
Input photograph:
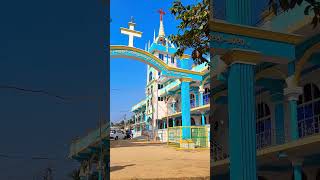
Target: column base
187,144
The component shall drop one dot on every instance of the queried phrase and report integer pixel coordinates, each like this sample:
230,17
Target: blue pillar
279,122
203,119
164,124
242,122
297,172
141,120
173,122
185,108
292,92
201,91
240,11
293,119
278,100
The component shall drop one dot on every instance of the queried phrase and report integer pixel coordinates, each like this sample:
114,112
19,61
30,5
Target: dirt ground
142,160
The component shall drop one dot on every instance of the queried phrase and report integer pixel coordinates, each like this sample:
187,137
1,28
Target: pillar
173,122
185,108
242,121
277,98
203,121
135,123
297,169
141,120
292,92
240,11
279,122
164,124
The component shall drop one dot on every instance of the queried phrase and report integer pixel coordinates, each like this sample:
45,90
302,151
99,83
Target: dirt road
142,160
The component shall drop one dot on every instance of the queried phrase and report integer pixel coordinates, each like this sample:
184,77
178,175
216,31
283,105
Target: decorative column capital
185,79
201,89
296,162
292,91
173,101
241,56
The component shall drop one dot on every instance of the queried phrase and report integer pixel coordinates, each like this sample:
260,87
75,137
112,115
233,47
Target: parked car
117,134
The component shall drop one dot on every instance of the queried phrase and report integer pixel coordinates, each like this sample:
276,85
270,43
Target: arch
309,110
117,51
193,122
192,100
304,59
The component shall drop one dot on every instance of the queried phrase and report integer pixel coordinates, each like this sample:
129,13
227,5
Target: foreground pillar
297,169
185,108
242,121
292,92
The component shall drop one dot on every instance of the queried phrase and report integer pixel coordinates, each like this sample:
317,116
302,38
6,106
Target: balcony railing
309,126
206,99
192,103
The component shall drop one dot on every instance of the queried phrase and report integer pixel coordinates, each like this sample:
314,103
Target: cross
161,12
131,32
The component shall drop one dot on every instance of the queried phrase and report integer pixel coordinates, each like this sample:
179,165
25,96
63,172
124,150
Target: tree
286,5
194,33
193,30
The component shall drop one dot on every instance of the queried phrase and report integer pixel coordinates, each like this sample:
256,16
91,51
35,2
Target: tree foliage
286,5
193,30
194,33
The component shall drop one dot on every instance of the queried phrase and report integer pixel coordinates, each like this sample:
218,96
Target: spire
161,28
145,47
154,35
148,45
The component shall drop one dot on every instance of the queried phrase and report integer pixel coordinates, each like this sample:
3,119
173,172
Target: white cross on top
131,32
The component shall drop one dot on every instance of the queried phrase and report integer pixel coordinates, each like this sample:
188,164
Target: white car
117,134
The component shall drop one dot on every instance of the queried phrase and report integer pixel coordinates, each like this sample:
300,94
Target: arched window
192,101
150,76
309,110
206,96
193,122
263,125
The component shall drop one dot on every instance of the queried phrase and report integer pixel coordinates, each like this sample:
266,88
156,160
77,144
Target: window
161,56
309,110
172,60
150,76
160,98
160,86
263,125
192,101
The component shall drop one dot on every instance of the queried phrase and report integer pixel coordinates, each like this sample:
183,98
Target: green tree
194,33
286,5
193,30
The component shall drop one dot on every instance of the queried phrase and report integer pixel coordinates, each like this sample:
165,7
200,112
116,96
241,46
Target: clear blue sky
128,77
55,46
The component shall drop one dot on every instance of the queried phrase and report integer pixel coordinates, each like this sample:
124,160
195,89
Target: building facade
162,107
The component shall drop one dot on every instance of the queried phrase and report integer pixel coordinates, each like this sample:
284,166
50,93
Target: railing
309,126
206,99
192,103
94,136
198,135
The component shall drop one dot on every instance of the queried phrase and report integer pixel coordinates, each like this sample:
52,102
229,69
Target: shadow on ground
117,168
